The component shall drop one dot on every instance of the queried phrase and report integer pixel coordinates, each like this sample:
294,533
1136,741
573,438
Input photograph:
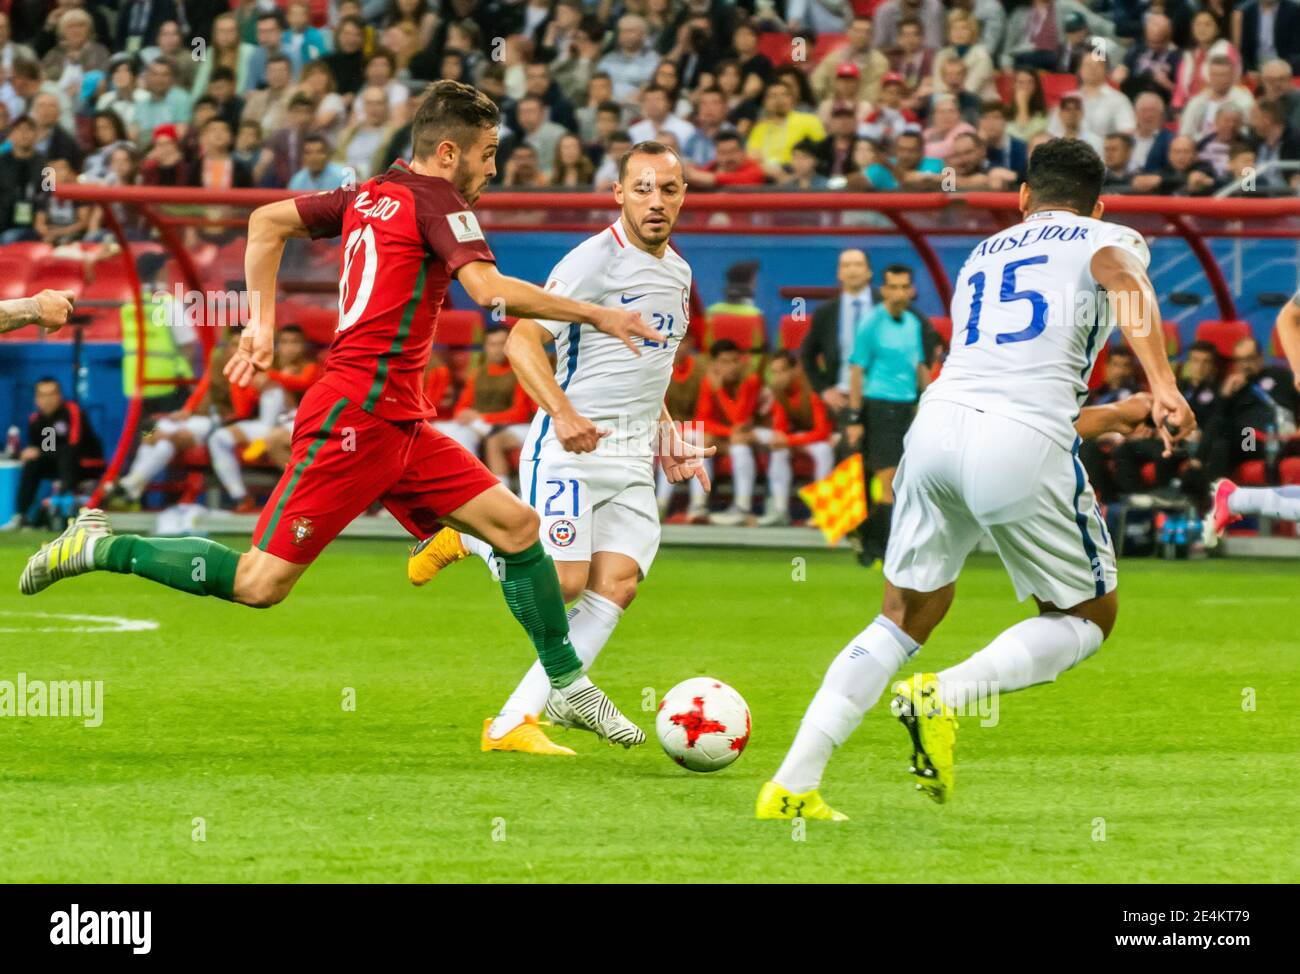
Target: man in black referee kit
888,371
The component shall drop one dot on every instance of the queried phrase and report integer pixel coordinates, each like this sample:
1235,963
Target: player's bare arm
49,309
681,460
1288,333
526,349
488,287
1137,311
1124,417
269,228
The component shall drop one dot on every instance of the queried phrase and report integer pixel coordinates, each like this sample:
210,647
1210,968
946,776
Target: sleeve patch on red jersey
464,226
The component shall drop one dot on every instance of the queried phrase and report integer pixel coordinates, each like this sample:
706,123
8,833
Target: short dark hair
451,111
219,73
727,135
495,328
898,269
787,357
279,59
722,346
647,148
995,108
317,138
605,107
45,379
1125,137
1204,346
291,329
1067,172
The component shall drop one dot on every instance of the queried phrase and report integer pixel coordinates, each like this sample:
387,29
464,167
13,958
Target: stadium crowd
1179,98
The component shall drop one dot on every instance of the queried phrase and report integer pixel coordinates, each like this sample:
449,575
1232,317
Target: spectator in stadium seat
779,129
59,437
1151,137
318,172
1153,64
835,153
1216,148
888,370
317,83
1276,84
160,101
524,171
1119,378
744,45
221,92
11,51
946,124
1197,119
269,106
362,144
26,81
964,45
492,397
910,167
572,170
1183,174
288,144
800,90
1028,105
120,96
859,51
1253,389
270,43
225,50
608,122
52,139
538,83
891,117
1105,110
1265,29
1036,33
1080,45
969,162
742,109
818,16
952,83
710,122
844,95
138,24
1003,150
216,167
892,14
831,336
1243,169
731,166
575,65
108,132
76,52
1207,42
20,182
599,97
725,417
799,424
61,221
165,164
1274,143
1117,154
633,61
1067,122
803,174
911,57
991,18
171,45
347,62
304,42
657,116
607,173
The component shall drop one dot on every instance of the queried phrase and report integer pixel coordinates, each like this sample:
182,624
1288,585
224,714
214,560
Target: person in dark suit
1004,150
1150,138
138,23
829,342
1255,20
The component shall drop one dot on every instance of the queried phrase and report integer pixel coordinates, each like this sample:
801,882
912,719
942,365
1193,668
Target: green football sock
532,591
194,565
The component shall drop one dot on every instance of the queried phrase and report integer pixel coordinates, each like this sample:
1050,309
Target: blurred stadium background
140,135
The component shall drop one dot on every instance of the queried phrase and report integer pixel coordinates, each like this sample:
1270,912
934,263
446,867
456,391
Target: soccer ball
703,724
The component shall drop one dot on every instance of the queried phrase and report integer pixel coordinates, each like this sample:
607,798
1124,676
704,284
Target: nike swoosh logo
626,300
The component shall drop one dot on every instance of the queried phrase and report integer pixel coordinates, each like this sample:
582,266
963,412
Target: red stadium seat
793,330
1290,470
1099,368
13,275
1173,339
1223,334
1056,85
61,276
825,44
775,47
1006,82
318,322
943,326
458,329
1252,473
749,332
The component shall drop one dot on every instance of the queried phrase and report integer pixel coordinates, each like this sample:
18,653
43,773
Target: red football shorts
344,460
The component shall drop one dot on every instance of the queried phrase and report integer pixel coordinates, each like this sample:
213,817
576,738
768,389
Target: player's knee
261,593
620,591
521,532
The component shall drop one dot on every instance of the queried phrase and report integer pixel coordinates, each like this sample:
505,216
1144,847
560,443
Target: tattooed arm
49,309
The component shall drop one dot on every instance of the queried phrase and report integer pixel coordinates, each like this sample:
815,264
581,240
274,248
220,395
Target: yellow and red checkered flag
838,502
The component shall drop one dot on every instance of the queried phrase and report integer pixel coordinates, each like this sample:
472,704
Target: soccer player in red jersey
361,434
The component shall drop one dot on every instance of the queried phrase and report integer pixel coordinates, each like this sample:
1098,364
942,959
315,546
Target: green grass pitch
1169,757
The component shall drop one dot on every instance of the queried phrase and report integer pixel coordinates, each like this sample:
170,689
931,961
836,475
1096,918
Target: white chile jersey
1029,319
606,382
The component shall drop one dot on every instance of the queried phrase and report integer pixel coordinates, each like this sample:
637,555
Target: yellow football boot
254,451
432,555
777,802
526,738
933,728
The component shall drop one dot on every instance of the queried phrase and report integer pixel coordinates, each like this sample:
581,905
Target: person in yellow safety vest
166,341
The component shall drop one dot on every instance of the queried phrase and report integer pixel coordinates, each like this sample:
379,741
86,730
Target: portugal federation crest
301,529
562,533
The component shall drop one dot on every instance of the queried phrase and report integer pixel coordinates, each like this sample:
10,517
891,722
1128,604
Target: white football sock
742,475
591,622
151,459
1030,652
823,458
221,451
1282,503
477,546
699,499
852,685
779,478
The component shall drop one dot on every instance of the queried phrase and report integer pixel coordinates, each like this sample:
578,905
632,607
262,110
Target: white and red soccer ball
703,724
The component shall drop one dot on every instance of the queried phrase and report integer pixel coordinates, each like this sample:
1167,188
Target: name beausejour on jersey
1029,320
604,380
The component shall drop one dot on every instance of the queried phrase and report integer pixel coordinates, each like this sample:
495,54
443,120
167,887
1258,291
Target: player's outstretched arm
681,460
268,229
49,309
488,287
1288,333
1125,417
1137,312
526,349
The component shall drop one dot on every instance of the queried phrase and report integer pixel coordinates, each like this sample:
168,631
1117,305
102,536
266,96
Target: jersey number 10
1006,294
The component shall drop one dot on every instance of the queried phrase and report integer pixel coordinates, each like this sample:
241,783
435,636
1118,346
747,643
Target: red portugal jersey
404,236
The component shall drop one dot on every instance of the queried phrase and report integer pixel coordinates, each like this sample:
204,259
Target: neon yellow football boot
67,555
933,728
777,802
432,555
527,738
